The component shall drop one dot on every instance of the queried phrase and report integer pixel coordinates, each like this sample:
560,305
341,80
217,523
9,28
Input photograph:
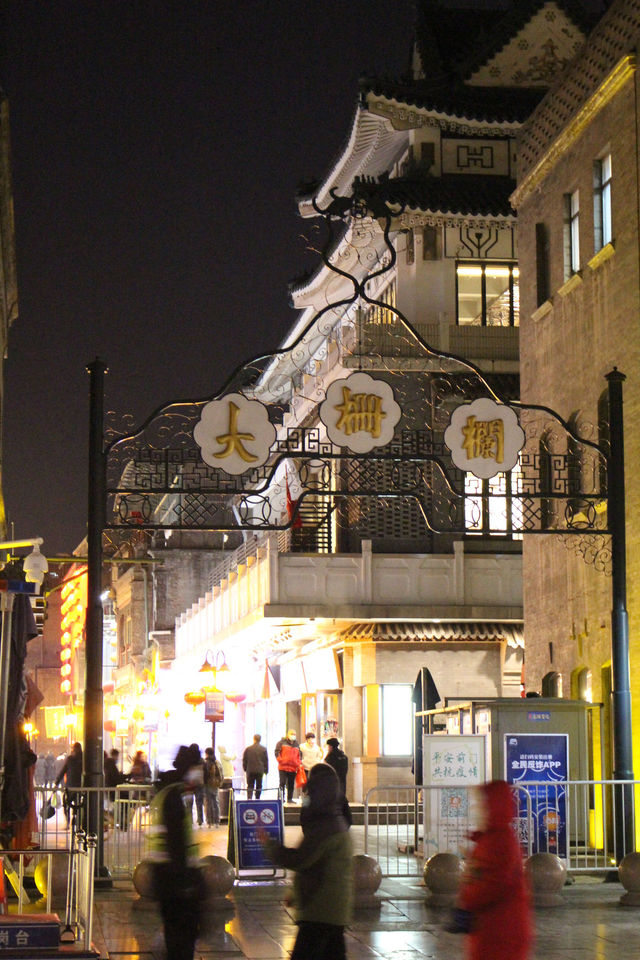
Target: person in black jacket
72,773
255,763
337,759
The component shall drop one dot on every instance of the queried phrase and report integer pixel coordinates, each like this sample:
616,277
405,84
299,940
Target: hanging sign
214,706
484,438
360,413
234,434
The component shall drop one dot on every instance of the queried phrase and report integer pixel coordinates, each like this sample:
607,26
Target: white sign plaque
234,433
360,413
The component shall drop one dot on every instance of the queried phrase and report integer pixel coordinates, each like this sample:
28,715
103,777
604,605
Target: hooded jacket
323,861
494,888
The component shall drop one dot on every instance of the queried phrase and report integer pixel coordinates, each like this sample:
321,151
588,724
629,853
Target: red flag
291,505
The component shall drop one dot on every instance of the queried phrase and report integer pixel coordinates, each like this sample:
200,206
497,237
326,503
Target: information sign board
251,818
539,762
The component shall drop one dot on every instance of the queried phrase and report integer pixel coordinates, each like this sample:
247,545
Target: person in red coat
494,889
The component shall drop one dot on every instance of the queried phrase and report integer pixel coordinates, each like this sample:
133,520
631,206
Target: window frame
602,212
483,265
571,234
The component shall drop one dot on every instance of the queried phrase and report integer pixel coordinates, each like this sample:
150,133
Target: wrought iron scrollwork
156,478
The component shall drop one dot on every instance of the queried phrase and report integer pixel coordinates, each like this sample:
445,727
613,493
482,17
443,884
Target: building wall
568,346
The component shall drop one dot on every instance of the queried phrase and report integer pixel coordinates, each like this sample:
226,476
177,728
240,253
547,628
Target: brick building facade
579,233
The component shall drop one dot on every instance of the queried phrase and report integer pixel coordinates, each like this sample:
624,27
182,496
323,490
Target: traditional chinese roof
461,194
457,42
457,100
511,633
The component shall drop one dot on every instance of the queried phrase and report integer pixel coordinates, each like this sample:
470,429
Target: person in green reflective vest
178,881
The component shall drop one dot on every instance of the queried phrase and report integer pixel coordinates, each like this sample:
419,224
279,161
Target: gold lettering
233,441
360,411
484,438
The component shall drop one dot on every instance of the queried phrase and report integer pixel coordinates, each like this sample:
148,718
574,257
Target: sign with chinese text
539,763
360,413
234,434
452,765
26,933
251,818
484,438
214,706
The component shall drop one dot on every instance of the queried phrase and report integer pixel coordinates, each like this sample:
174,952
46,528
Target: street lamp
220,671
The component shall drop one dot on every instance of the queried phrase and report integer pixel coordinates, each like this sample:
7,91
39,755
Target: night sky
156,151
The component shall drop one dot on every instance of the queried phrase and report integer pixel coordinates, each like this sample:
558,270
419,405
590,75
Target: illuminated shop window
487,294
397,719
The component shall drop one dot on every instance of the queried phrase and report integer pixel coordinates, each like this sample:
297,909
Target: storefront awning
436,632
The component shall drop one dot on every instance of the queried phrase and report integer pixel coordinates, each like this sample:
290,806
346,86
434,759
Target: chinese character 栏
484,438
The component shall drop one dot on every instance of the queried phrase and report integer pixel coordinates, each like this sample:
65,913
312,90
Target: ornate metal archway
222,463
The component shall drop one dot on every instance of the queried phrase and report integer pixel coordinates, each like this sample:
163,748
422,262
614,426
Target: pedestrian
71,772
311,752
337,759
140,771
288,756
197,793
178,883
213,778
49,769
226,761
112,777
322,863
493,889
255,763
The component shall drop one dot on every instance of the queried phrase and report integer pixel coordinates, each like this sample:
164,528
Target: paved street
257,924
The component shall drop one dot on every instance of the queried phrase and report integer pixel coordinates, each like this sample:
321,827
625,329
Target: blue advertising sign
252,817
539,762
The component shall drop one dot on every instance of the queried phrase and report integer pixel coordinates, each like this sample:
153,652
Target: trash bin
223,799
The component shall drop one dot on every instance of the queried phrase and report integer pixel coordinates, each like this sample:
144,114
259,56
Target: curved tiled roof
447,631
460,194
456,99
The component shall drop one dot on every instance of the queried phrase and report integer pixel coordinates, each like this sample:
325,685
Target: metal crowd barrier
78,868
575,820
392,829
126,819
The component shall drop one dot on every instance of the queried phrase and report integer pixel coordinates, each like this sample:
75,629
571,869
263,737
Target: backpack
212,773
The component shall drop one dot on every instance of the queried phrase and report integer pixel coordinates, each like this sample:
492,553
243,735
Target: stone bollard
442,876
219,878
59,875
367,877
547,875
629,873
143,882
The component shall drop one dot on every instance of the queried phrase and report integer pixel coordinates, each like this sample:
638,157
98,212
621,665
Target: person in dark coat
71,772
255,763
323,865
337,759
494,889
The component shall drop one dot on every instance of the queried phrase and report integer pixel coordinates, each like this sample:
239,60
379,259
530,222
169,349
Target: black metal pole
93,775
620,678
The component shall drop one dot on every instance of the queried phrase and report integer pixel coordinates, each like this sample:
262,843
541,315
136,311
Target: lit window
602,202
491,507
487,294
397,719
571,233
376,312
